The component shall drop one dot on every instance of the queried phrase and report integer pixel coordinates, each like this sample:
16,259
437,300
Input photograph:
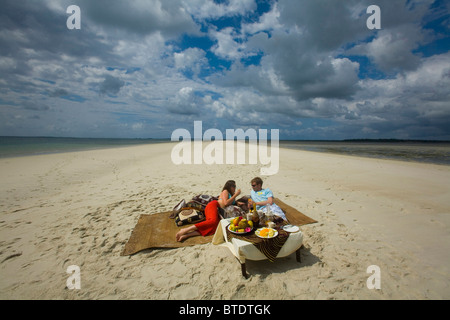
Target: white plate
291,228
274,235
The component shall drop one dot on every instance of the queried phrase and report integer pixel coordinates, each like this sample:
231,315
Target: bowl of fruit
240,225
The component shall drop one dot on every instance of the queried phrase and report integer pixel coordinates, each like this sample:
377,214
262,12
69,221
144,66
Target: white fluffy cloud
192,59
185,102
227,45
269,21
392,50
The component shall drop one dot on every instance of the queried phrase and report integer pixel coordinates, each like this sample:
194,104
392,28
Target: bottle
269,211
255,216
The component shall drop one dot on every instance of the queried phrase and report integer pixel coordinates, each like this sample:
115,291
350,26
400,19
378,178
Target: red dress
208,227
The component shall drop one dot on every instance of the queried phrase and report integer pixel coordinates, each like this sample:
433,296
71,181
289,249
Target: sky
312,69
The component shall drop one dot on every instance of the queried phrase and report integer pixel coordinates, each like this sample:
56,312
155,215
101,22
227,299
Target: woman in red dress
209,225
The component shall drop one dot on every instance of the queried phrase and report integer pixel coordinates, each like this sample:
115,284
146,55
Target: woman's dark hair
228,185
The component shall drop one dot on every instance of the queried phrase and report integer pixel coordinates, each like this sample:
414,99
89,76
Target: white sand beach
79,208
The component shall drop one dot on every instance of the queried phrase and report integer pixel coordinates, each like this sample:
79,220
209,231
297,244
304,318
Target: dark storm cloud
31,25
111,85
36,43
59,93
35,106
139,17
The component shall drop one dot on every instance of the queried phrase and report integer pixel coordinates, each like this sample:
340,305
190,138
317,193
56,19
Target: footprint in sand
11,256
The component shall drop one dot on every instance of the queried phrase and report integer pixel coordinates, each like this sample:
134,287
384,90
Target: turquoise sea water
25,146
419,151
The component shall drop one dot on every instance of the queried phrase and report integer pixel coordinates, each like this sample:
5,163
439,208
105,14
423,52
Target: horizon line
192,139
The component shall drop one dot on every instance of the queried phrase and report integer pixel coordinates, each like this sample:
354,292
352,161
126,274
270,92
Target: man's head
257,183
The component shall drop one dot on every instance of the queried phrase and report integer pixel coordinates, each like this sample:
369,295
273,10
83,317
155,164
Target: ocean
435,152
25,146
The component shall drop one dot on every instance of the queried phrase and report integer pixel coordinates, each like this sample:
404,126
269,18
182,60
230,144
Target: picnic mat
294,216
157,231
154,231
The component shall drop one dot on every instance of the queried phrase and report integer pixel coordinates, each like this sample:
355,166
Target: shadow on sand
281,265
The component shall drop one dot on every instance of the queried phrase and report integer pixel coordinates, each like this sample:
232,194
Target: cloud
137,126
264,79
111,85
413,103
58,93
137,16
28,35
392,50
35,107
311,68
289,68
268,22
186,102
191,59
227,46
303,73
324,25
205,9
341,83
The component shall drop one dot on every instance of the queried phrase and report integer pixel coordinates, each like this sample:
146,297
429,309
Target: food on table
267,232
241,225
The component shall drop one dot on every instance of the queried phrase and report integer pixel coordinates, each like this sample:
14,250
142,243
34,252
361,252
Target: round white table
244,250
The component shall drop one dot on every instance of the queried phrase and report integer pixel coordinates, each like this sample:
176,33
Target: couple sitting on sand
263,198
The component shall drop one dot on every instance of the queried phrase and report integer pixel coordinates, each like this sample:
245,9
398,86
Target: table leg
244,270
298,256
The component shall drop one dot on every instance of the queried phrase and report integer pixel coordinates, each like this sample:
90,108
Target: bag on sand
177,209
204,199
189,216
192,211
